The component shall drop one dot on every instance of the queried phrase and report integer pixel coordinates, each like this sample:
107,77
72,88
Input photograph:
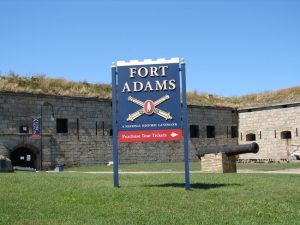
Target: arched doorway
24,157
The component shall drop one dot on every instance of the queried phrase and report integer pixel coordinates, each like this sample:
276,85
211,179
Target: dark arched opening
251,137
286,135
24,157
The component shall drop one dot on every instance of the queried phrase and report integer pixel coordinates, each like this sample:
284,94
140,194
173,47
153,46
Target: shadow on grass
204,186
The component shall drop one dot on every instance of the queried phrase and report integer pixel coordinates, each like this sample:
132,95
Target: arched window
286,134
250,137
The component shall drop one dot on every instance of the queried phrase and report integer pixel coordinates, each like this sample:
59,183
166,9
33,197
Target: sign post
114,124
146,105
185,128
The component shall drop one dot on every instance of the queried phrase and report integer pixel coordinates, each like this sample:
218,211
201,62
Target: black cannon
229,150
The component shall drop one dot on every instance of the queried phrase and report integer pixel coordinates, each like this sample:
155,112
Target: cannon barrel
229,150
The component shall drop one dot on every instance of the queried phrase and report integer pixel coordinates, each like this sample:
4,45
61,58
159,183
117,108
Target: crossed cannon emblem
149,107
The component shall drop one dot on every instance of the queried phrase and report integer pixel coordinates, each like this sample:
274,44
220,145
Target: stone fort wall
86,142
275,128
88,139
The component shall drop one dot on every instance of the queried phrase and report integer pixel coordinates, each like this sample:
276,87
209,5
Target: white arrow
174,134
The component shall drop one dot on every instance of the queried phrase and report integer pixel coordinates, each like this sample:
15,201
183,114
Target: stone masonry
88,139
218,163
270,124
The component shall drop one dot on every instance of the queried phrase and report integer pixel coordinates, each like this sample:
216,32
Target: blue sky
231,47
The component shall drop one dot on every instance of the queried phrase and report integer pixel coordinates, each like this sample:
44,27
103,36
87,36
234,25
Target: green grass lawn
162,167
194,166
77,198
268,166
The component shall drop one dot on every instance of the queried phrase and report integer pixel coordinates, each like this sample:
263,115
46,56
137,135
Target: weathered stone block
218,163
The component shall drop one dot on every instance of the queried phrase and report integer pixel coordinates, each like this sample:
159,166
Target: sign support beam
114,124
185,128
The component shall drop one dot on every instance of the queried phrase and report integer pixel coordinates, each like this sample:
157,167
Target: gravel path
287,171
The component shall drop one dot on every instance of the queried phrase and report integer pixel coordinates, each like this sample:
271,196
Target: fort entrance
24,156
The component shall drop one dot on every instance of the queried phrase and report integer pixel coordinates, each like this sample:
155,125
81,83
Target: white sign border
145,62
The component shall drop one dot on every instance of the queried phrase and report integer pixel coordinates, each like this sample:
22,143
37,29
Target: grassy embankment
77,198
42,84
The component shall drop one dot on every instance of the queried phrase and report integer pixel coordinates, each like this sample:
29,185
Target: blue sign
146,105
149,99
36,127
